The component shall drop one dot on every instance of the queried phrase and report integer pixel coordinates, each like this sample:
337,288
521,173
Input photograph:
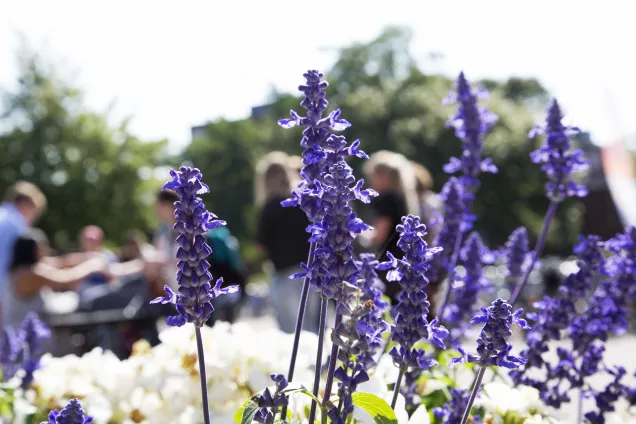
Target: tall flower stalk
193,301
327,189
411,324
471,124
493,348
307,196
559,161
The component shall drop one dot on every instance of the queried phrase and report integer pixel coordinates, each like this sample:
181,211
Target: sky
172,65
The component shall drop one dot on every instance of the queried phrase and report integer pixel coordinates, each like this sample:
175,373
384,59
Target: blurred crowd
112,288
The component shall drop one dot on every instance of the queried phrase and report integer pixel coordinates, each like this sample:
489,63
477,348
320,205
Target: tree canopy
395,105
91,172
95,172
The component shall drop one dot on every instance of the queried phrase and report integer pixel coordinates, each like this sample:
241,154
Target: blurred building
258,112
600,216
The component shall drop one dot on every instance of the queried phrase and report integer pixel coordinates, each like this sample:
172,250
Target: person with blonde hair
430,202
23,205
283,237
393,177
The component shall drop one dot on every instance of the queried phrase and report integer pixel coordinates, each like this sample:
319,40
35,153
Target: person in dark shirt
283,237
391,175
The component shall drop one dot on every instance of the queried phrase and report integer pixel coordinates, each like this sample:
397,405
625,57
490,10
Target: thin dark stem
299,322
451,270
473,394
387,243
332,363
321,342
396,390
204,379
538,248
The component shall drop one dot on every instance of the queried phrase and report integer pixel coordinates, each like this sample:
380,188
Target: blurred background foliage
98,173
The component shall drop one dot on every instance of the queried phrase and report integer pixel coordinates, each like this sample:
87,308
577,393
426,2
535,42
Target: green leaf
248,412
238,415
379,410
302,390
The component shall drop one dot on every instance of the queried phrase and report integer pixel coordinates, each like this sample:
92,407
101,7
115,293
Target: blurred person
430,202
393,177
135,246
283,237
30,274
225,262
23,204
91,241
165,236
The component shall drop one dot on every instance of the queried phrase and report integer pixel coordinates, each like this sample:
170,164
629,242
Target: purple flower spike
516,254
471,125
559,161
269,403
32,335
465,290
193,301
71,414
453,410
9,351
493,348
411,324
456,220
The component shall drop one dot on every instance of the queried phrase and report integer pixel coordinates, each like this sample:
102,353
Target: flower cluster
360,336
465,289
373,324
471,125
516,254
411,324
269,403
453,410
609,282
193,301
326,192
558,160
493,348
456,221
71,414
553,316
21,351
159,385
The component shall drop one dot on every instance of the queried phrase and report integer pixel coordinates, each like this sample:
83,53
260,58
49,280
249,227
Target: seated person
30,274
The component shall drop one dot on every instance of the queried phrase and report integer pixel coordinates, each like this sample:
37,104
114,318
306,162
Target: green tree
90,171
395,105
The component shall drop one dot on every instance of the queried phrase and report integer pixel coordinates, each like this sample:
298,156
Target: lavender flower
465,289
558,160
372,289
553,316
493,348
268,404
194,300
606,399
318,154
456,221
516,253
471,124
71,414
32,334
411,324
325,195
9,350
452,411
